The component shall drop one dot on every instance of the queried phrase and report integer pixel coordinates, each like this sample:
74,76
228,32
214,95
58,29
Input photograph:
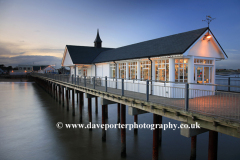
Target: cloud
231,50
30,60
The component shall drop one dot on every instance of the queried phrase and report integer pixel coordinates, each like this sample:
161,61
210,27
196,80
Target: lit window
162,70
122,70
132,66
79,71
203,74
145,70
181,70
202,61
112,70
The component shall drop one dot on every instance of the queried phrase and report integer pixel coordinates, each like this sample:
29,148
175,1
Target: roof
36,68
170,45
83,54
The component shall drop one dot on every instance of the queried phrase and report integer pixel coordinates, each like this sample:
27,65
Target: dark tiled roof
84,55
36,68
170,45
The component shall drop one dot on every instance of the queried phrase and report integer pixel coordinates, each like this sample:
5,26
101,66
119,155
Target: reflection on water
28,116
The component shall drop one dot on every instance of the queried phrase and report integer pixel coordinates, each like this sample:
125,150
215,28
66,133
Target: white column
171,76
117,70
191,70
138,70
172,69
153,70
76,70
213,71
127,71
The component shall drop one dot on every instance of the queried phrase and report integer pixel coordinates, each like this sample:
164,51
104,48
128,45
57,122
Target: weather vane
208,19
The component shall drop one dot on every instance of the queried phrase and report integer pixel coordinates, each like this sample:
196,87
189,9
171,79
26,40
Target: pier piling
90,111
123,130
103,122
118,113
212,145
193,147
155,137
136,121
80,107
96,105
73,102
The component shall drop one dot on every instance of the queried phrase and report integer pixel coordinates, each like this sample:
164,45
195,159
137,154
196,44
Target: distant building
44,69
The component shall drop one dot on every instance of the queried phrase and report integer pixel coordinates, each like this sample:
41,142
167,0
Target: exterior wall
206,48
103,70
68,60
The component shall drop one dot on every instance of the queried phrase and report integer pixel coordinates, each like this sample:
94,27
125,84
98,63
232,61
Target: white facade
169,73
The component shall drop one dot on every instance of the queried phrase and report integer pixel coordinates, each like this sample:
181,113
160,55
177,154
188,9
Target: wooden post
123,130
77,97
106,112
193,147
160,130
212,145
96,105
59,94
104,123
118,113
81,99
56,89
90,111
136,121
62,96
155,137
80,107
67,91
73,102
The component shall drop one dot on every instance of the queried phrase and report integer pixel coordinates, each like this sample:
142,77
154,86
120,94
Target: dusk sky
37,31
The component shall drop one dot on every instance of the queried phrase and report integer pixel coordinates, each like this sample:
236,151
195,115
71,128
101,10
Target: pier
215,112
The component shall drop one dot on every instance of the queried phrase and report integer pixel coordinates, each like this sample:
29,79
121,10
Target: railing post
122,87
85,84
147,90
67,79
93,82
72,79
78,80
228,84
106,83
186,96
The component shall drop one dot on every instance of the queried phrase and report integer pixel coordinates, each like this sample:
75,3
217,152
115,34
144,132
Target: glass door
203,74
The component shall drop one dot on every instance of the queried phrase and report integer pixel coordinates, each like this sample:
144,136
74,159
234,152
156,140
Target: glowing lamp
209,37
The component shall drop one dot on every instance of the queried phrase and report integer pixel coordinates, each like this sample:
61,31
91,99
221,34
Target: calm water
28,117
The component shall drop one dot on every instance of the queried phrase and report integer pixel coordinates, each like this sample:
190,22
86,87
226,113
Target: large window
79,71
132,70
145,70
162,70
181,70
122,70
202,74
84,71
112,70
